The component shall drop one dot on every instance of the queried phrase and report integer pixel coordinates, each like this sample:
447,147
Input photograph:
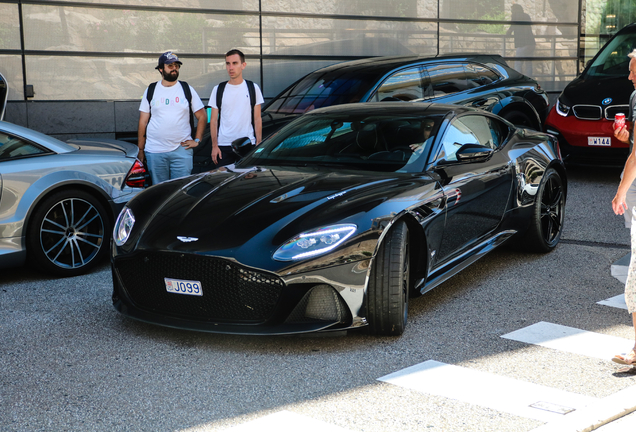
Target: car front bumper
237,299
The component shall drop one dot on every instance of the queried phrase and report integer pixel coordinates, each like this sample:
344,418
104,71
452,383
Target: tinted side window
473,129
481,128
446,79
404,85
13,147
478,75
321,89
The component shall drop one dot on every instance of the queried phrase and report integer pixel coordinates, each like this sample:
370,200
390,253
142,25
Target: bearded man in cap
165,123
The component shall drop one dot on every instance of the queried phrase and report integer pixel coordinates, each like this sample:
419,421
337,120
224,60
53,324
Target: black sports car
333,222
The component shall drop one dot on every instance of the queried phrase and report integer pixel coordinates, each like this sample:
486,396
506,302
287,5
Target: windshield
321,89
612,61
386,143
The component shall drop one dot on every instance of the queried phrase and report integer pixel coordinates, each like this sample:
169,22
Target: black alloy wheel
68,233
388,292
548,214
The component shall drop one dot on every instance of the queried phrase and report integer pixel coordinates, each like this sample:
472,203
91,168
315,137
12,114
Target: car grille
231,292
611,111
587,112
595,112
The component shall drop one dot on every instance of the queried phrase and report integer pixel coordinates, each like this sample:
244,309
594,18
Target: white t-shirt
236,112
169,123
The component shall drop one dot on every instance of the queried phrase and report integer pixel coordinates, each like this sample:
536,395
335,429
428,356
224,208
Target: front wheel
387,297
68,233
548,214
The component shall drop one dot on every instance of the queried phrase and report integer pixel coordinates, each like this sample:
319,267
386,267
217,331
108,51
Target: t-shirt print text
167,101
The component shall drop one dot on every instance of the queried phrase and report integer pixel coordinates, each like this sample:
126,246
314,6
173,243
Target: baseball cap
168,58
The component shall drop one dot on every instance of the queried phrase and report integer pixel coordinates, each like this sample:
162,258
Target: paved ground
517,342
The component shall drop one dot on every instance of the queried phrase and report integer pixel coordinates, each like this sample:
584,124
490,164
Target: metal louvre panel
611,111
587,112
231,292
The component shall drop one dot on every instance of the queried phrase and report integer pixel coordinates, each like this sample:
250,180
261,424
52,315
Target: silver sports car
58,200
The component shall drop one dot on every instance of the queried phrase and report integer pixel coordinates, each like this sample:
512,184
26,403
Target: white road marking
286,421
617,302
571,340
619,268
488,390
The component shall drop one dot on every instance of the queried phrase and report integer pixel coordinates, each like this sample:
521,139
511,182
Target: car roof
387,63
51,143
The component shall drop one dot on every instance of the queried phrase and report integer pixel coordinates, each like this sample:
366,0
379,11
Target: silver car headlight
123,226
314,242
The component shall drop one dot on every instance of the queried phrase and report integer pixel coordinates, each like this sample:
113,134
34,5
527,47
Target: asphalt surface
71,362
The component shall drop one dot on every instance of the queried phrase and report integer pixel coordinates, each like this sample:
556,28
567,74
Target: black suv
482,81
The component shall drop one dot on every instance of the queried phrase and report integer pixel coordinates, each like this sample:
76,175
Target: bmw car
583,115
336,221
59,200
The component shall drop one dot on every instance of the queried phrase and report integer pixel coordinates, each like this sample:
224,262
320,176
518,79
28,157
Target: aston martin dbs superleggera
336,220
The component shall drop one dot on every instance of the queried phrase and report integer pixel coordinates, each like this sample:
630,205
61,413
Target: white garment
169,123
236,112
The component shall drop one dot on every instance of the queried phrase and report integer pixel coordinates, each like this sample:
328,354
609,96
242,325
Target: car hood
593,91
234,215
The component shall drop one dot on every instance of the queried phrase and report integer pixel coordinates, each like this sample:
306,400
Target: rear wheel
68,233
388,292
548,214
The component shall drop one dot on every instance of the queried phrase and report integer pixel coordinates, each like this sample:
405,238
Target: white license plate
599,141
187,287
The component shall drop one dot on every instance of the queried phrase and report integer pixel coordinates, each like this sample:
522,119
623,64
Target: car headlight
123,226
314,242
562,108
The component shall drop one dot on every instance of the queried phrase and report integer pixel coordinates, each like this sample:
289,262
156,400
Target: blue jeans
170,165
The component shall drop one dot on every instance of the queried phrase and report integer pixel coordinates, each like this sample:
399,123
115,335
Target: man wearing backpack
236,110
166,123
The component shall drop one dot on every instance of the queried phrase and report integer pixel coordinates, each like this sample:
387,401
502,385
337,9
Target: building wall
89,61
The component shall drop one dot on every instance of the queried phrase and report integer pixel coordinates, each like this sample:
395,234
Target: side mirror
473,153
242,146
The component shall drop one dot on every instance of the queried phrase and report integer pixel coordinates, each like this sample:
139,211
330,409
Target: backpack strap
252,91
188,95
219,100
149,94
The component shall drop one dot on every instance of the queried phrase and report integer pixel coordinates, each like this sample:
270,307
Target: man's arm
214,122
619,204
144,117
202,121
258,124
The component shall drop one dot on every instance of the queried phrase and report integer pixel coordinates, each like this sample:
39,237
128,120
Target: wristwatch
197,140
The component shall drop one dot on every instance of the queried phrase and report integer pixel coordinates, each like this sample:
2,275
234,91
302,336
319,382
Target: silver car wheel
72,233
